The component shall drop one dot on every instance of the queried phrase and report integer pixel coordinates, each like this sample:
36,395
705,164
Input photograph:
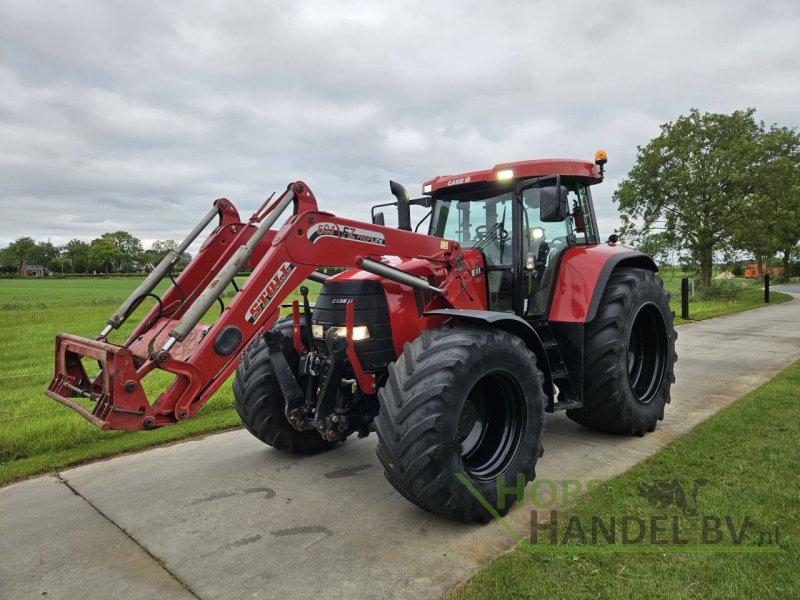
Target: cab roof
587,172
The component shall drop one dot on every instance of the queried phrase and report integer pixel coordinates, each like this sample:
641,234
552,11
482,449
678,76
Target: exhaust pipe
403,206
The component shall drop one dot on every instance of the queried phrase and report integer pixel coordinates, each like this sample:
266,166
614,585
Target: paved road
226,517
792,288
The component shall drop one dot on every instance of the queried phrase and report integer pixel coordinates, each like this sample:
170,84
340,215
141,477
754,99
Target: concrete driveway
789,288
226,517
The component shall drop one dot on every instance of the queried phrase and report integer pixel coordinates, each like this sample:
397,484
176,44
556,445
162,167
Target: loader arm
200,357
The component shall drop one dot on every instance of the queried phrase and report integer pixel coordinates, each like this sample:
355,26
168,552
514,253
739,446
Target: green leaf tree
77,252
691,181
47,254
782,186
160,248
105,255
20,251
771,213
129,246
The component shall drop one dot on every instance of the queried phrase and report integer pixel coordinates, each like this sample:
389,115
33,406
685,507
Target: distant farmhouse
32,270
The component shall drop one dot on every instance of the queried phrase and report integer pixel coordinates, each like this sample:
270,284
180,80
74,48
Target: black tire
259,401
460,400
629,356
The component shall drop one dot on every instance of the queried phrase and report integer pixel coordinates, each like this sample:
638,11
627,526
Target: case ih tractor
451,345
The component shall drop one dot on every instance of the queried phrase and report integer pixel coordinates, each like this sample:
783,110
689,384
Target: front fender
507,322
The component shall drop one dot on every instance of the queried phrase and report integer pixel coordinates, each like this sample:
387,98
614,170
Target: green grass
750,296
748,453
36,433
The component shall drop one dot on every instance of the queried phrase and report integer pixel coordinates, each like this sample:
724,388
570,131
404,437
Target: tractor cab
521,217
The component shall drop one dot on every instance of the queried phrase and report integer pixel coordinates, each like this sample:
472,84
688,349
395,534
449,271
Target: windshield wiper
502,230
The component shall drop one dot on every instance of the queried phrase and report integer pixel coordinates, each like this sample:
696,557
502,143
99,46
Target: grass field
748,456
37,434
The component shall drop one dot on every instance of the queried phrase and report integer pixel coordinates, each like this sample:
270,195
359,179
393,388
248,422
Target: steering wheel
501,233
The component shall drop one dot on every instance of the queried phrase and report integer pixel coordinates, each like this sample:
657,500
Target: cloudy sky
136,115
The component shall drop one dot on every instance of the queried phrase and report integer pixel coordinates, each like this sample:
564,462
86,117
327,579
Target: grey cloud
137,115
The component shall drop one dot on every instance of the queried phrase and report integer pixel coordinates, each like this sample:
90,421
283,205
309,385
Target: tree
46,254
160,248
21,251
782,186
771,213
691,182
77,252
7,264
104,254
659,245
129,246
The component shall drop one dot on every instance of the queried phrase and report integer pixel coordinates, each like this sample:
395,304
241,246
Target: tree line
713,186
112,252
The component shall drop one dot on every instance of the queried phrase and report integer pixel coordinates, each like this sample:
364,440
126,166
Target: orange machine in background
751,271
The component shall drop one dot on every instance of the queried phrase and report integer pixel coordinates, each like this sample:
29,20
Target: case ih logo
458,181
273,287
345,233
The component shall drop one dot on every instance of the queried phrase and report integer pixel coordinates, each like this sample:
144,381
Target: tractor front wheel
629,356
460,416
259,401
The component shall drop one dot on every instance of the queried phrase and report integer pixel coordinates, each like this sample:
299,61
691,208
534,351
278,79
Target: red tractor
449,345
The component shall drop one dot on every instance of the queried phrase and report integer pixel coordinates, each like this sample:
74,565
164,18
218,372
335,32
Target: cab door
541,244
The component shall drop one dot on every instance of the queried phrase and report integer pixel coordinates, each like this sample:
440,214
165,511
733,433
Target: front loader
449,345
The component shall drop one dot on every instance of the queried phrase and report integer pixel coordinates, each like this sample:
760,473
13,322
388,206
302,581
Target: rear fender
619,261
507,322
582,277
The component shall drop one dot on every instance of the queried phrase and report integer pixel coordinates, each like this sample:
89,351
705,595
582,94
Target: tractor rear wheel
259,401
629,356
462,405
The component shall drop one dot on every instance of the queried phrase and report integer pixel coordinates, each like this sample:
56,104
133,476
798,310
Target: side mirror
377,219
553,204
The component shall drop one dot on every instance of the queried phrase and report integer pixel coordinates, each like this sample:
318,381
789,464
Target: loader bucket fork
117,392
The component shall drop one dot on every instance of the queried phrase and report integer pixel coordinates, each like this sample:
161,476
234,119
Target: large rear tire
259,401
629,356
461,400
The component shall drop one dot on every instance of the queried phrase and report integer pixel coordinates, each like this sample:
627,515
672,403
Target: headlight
360,332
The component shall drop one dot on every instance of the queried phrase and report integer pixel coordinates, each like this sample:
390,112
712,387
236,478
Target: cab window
541,245
482,220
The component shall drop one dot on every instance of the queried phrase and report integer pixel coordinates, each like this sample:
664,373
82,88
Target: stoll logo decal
346,233
268,293
607,517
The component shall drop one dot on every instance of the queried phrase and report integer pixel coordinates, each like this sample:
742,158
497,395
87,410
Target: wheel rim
646,355
491,426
